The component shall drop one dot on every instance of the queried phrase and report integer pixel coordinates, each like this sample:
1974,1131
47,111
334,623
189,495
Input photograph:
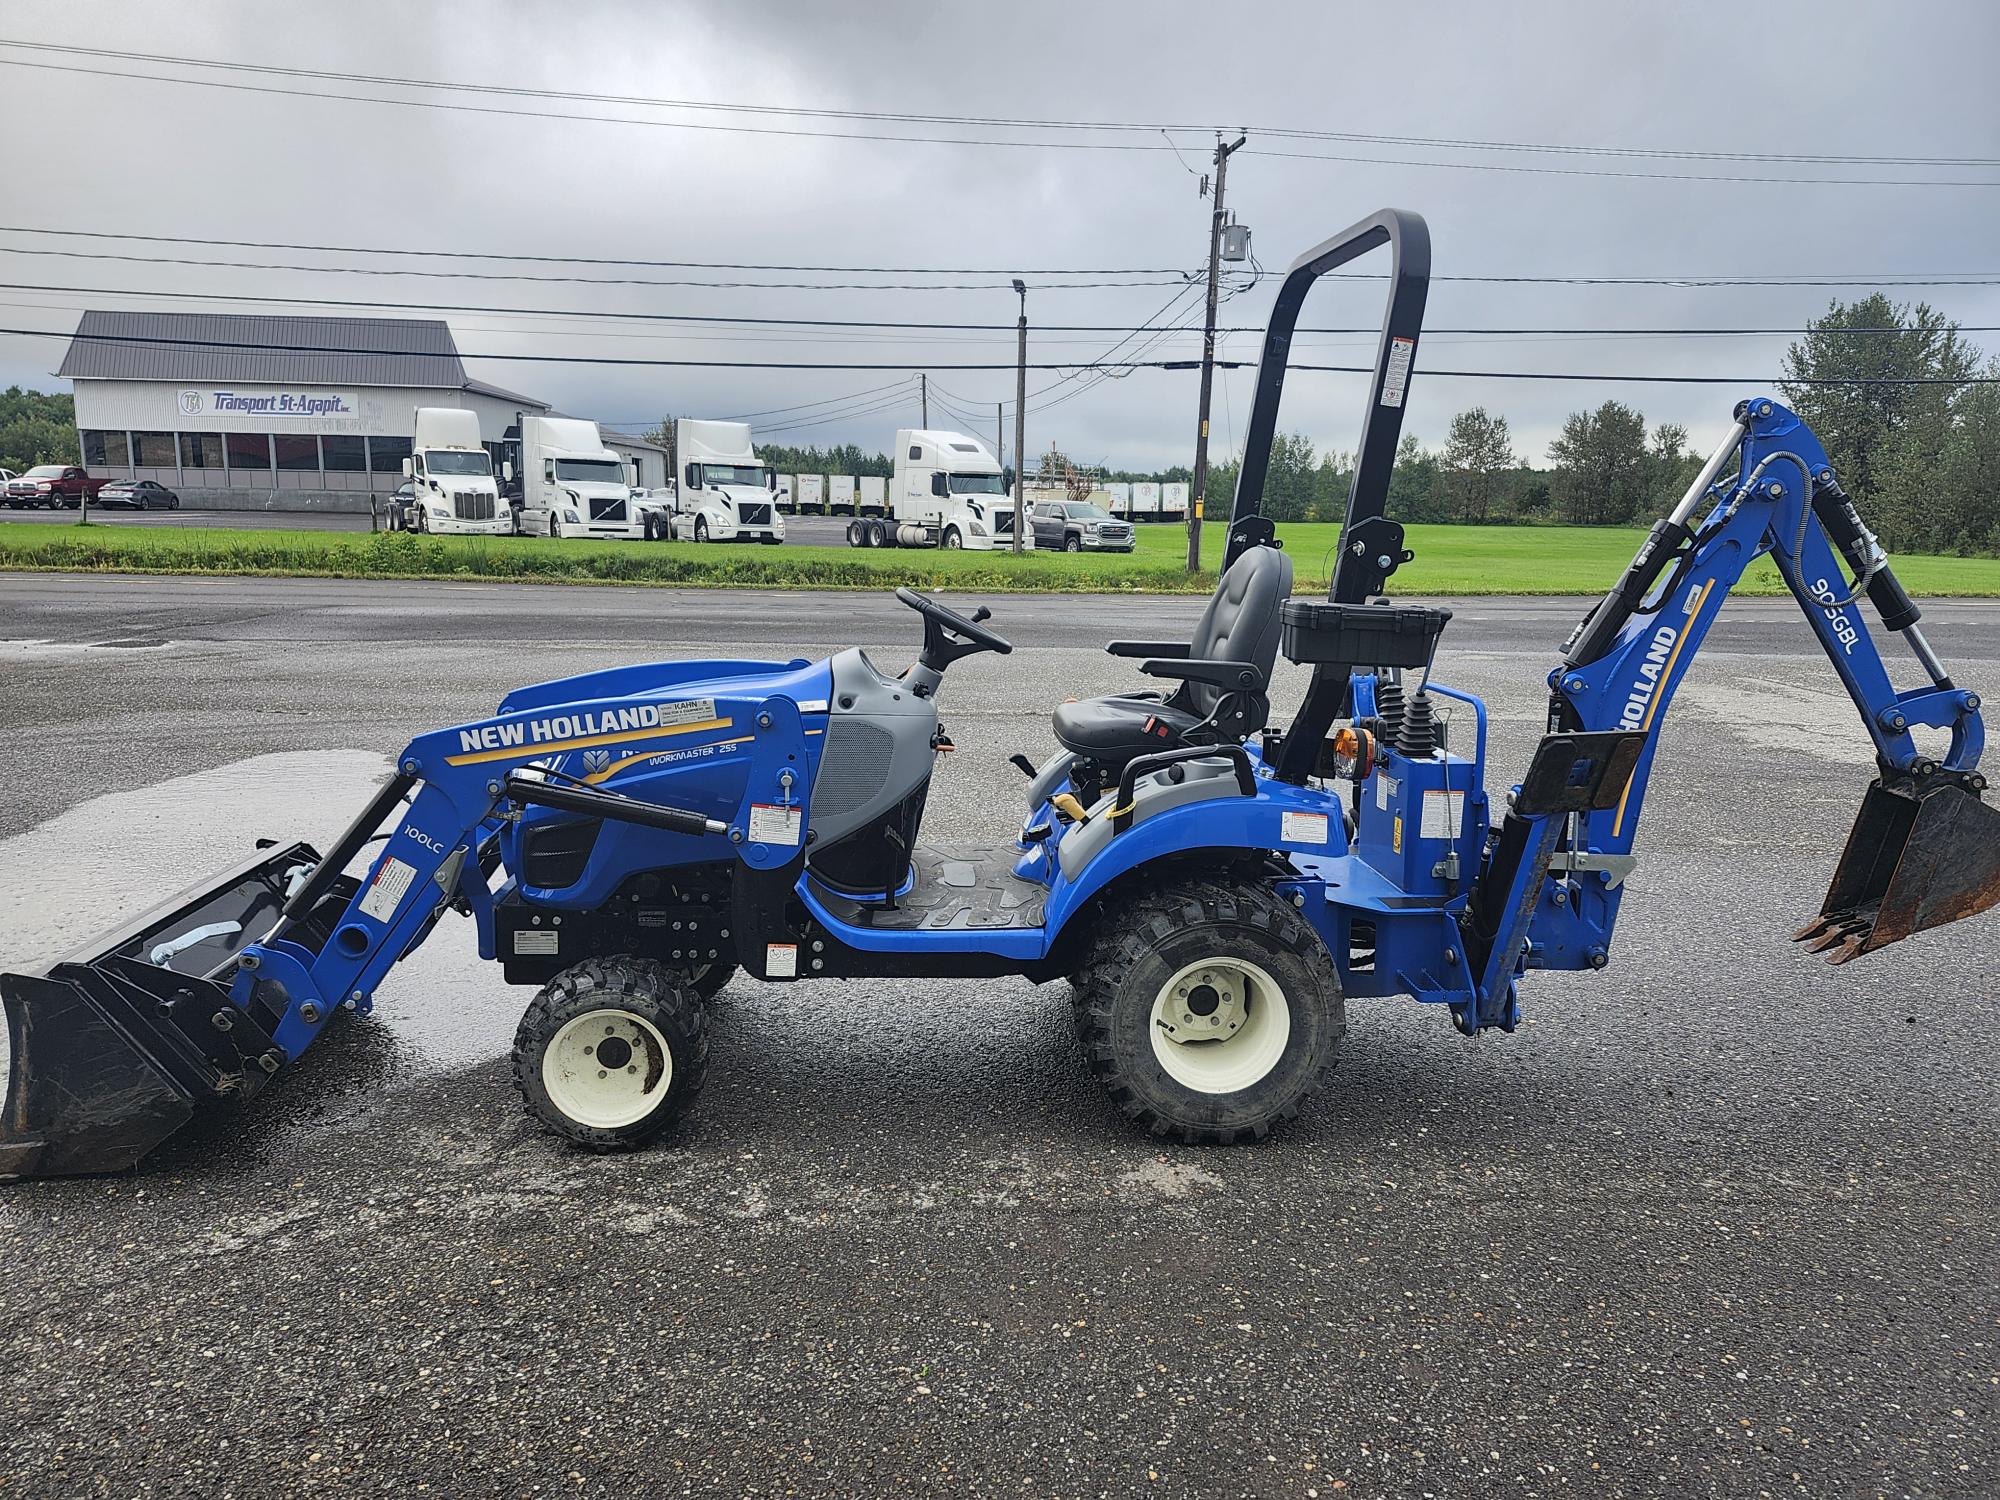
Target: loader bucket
112,1049
1917,858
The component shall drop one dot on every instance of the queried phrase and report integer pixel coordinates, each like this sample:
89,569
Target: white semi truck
948,491
571,485
452,489
724,493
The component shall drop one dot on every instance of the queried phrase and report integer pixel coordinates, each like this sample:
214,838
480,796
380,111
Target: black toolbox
1360,635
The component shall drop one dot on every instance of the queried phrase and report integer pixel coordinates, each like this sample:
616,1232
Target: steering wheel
940,624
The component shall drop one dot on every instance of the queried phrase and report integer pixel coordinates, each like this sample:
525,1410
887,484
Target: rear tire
611,1053
1239,964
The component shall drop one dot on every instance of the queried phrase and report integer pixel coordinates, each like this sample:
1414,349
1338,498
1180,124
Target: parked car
1078,526
402,507
139,494
52,485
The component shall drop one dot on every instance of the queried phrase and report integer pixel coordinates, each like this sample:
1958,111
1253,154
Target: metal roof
500,393
622,440
248,347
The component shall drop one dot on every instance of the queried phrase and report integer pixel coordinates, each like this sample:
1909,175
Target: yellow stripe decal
597,777
1659,695
552,747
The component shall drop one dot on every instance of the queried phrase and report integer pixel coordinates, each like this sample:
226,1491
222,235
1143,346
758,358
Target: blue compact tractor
1214,887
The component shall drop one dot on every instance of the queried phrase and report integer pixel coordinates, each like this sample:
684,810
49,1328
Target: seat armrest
1163,649
1230,676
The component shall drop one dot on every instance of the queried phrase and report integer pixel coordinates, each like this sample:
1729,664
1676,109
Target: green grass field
1450,560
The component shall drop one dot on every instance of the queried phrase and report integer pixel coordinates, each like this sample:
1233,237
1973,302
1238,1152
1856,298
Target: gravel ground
1719,1221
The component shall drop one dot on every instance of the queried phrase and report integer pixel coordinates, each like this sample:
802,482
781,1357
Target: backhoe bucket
1917,858
111,1049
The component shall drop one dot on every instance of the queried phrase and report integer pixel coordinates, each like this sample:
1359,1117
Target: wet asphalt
1720,1220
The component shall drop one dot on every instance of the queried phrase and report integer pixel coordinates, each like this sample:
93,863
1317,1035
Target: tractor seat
1240,625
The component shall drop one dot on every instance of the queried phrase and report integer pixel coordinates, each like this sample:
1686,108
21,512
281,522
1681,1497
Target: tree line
36,428
1888,388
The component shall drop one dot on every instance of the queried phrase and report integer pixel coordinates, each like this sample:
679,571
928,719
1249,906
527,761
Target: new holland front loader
1213,886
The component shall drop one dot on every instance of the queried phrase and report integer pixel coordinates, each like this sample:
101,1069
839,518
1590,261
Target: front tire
701,528
611,1053
1209,1012
1072,544
952,540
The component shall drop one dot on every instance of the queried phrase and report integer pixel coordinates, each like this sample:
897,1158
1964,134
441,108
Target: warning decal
385,891
1302,827
1396,378
781,961
1444,814
771,823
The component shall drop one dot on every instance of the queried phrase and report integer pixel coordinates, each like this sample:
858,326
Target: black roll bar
1409,242
1371,545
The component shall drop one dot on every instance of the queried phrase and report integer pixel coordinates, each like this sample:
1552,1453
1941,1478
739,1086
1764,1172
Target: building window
106,450
201,450
296,454
386,454
153,450
248,451
345,455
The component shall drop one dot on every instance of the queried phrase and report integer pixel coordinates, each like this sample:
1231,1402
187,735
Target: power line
385,81
829,401
1751,279
1056,365
1009,123
916,325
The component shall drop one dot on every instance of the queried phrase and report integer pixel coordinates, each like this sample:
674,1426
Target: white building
253,412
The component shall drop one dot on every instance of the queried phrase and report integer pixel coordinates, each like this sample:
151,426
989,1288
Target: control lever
981,613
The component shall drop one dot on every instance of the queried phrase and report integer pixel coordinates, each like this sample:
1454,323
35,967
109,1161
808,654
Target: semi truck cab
453,490
724,493
949,485
571,484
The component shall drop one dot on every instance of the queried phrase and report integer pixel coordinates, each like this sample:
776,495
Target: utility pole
1021,417
1000,432
924,397
1199,488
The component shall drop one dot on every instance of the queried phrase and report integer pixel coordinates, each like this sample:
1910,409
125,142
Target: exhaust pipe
112,1049
1922,853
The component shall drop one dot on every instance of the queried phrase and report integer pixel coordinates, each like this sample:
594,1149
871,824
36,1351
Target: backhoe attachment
1921,854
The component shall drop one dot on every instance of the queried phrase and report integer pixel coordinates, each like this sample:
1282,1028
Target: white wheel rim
607,1068
1220,1026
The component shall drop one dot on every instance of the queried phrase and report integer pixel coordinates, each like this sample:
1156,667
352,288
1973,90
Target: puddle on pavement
106,860
72,648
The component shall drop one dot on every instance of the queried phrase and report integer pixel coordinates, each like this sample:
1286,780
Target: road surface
1718,1221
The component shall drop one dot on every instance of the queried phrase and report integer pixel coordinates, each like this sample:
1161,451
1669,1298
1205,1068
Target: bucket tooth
1918,857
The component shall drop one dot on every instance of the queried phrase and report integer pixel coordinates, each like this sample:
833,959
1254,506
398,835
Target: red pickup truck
52,485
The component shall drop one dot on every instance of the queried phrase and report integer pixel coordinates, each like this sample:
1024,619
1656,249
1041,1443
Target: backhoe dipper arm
1924,850
1767,508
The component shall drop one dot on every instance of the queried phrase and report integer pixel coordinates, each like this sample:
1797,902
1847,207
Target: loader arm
1924,849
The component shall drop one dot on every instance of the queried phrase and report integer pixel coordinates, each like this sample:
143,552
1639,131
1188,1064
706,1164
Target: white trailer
723,491
1120,503
812,494
1146,500
453,488
1174,501
787,493
871,495
570,483
948,491
840,494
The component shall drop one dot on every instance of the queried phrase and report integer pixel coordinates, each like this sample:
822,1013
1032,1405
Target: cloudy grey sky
80,151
